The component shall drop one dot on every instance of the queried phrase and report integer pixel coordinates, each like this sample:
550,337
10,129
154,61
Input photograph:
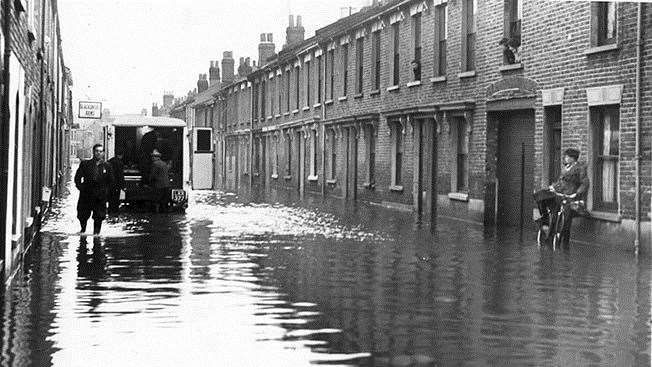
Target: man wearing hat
160,181
572,181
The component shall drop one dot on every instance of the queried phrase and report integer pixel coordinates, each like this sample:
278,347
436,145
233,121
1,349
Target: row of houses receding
35,121
445,108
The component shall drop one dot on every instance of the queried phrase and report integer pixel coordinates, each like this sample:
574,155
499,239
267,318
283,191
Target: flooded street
232,283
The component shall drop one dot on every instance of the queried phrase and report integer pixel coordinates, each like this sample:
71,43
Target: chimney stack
155,111
294,33
202,83
228,65
266,48
214,74
168,99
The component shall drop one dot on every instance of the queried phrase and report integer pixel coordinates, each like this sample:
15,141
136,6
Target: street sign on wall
90,110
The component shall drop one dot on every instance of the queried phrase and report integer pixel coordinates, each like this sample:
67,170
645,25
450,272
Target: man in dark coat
160,181
117,167
573,181
93,179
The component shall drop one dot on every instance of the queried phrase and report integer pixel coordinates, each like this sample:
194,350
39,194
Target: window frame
459,135
359,62
344,60
597,118
440,64
398,151
417,36
376,51
396,54
469,29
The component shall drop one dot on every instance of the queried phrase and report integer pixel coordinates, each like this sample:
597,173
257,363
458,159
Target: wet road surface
233,283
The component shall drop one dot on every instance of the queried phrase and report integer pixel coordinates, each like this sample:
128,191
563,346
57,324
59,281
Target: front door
515,168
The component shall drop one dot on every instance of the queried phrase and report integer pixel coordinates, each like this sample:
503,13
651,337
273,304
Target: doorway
351,180
515,168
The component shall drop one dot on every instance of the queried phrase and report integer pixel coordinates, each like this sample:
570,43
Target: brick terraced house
35,122
453,108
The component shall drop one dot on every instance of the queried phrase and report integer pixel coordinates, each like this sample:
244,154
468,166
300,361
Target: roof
139,120
206,96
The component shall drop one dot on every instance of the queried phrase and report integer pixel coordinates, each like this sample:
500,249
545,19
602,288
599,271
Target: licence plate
178,195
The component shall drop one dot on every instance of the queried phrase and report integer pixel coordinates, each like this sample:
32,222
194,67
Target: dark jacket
159,177
118,172
572,180
93,180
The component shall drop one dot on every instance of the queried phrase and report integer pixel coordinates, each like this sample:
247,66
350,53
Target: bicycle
560,221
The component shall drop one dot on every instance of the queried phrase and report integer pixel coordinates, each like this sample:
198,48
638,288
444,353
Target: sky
126,53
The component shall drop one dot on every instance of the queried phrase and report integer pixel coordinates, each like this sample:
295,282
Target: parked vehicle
136,137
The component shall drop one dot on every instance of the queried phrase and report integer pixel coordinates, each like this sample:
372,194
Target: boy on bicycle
572,181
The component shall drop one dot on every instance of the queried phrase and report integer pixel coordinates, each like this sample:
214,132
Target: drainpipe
637,154
4,129
323,126
251,136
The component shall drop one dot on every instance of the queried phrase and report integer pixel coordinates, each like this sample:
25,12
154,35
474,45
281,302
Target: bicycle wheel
557,239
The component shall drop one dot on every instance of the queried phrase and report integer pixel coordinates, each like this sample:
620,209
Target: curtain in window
610,137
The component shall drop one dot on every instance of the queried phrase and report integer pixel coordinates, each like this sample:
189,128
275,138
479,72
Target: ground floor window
459,139
371,153
333,159
397,153
605,121
313,152
288,155
275,147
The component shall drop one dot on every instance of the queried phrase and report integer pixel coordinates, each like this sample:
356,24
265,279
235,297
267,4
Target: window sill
393,88
510,67
288,177
277,116
599,49
342,99
269,117
369,186
397,188
331,182
313,178
316,105
358,96
438,79
329,102
286,114
295,111
466,74
374,92
606,216
415,83
275,176
459,196
307,108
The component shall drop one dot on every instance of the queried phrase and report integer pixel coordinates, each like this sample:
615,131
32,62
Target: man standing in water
93,179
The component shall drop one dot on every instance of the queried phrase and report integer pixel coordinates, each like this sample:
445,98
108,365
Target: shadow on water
263,279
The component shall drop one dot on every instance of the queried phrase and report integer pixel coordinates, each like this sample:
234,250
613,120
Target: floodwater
234,283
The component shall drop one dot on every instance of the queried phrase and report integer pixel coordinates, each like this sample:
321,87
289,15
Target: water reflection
238,282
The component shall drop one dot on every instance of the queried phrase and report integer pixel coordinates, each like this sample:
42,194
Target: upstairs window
287,90
308,83
272,94
511,41
279,86
375,41
468,34
395,51
416,31
603,23
359,62
331,73
441,34
297,85
345,68
263,88
320,80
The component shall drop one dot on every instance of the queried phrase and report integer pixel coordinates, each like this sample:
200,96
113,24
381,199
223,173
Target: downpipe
637,153
4,131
